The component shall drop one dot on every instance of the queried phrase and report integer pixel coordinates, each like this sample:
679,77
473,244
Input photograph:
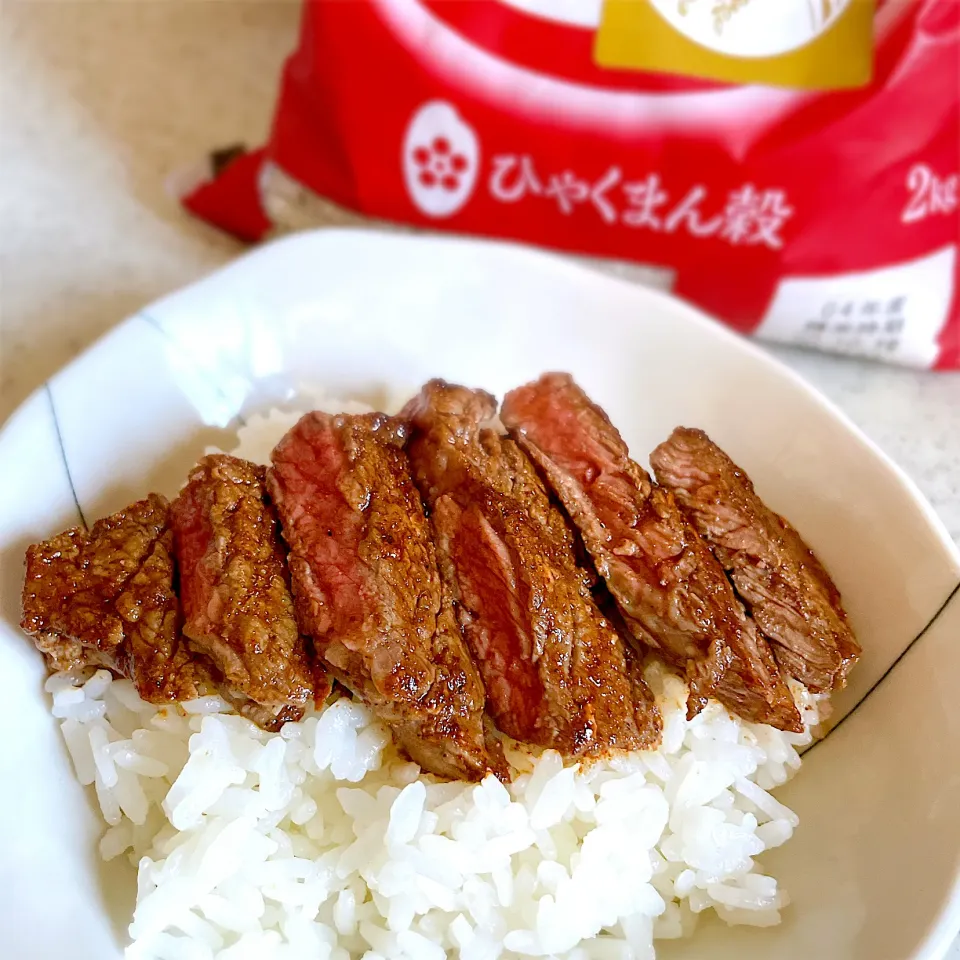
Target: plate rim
673,304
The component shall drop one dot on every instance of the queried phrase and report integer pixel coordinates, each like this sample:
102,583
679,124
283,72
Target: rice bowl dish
141,405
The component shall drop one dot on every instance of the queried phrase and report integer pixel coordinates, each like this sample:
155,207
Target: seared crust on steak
368,591
554,668
105,597
785,587
672,593
234,588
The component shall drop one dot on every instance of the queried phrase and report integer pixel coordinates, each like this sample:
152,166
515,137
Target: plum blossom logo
441,158
439,163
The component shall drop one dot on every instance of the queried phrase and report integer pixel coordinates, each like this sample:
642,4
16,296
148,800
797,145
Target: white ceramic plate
873,871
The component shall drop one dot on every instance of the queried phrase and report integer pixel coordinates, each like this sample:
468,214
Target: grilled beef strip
235,592
105,597
785,587
368,592
671,591
554,668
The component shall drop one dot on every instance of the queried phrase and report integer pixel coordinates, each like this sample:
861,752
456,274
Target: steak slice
105,597
672,593
554,668
785,587
235,593
368,592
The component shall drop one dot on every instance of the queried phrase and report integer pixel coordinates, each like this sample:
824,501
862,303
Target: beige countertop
102,99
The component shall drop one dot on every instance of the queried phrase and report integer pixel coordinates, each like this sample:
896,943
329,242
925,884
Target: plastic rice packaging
789,166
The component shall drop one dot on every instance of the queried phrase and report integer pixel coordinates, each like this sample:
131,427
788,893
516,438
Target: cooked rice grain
323,841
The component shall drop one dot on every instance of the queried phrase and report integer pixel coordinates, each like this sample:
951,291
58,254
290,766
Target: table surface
103,100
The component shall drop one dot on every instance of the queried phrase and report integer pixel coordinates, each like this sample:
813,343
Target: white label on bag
754,29
441,157
893,314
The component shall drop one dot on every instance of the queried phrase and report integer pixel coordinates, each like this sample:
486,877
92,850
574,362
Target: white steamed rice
322,841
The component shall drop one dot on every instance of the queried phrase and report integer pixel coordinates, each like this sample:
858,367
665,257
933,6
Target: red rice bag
813,201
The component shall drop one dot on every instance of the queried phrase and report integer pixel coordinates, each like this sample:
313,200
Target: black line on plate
153,322
63,452
886,673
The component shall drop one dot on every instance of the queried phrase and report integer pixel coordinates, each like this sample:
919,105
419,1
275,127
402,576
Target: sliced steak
790,595
105,597
235,593
672,593
554,668
368,591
